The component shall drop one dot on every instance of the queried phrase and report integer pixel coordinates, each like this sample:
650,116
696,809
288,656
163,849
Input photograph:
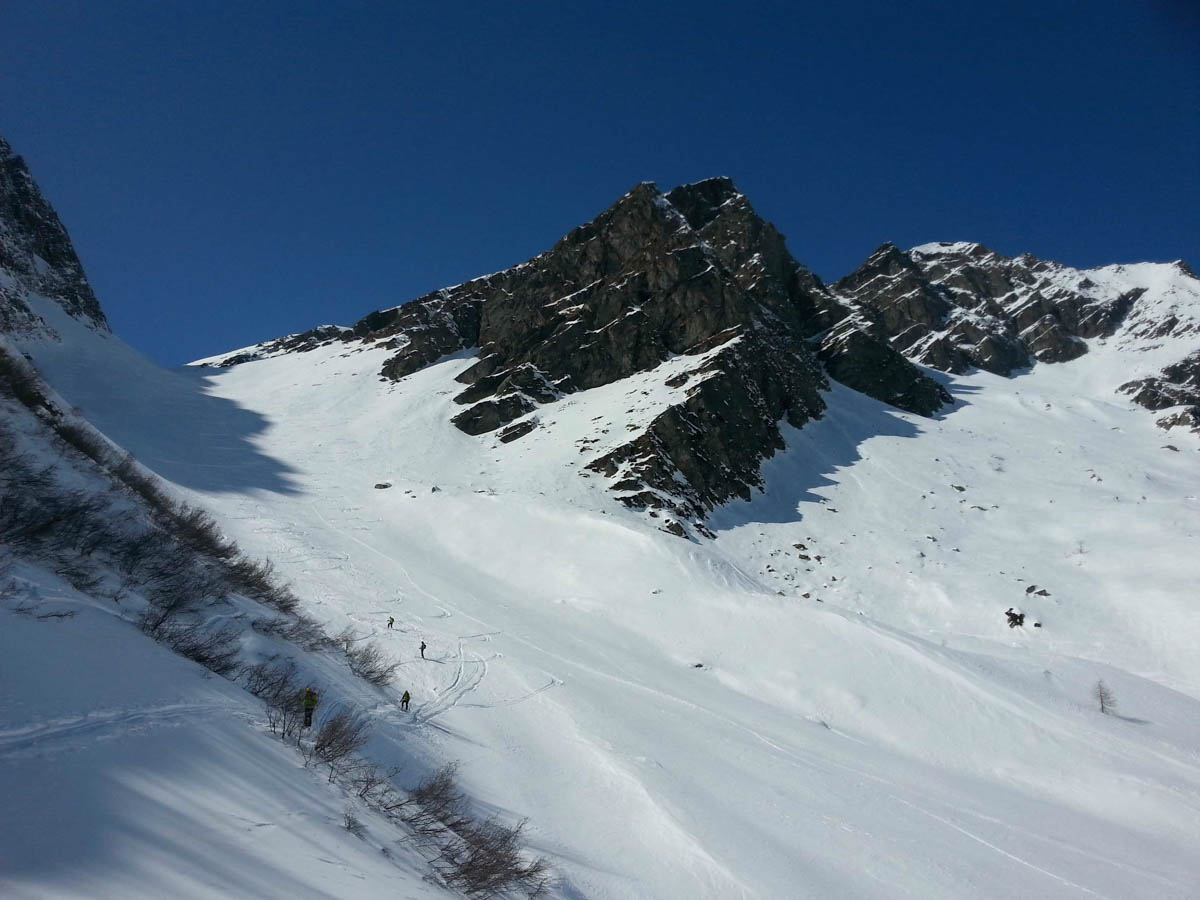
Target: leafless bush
216,650
65,614
374,786
146,486
438,803
280,688
300,630
267,681
340,736
351,823
487,860
259,580
19,381
138,553
369,662
85,440
1104,697
79,575
198,530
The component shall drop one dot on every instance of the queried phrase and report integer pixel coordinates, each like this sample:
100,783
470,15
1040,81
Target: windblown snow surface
677,719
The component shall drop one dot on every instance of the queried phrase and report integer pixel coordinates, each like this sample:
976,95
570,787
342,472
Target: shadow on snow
816,453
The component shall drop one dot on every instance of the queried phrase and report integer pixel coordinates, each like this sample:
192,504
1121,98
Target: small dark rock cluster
1175,385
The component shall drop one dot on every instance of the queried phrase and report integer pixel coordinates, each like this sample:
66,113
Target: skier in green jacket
311,699
404,701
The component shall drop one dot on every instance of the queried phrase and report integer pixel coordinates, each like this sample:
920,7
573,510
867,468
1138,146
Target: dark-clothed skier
404,701
311,699
422,649
391,621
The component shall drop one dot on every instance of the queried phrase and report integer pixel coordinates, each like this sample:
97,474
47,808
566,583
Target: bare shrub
439,803
487,860
373,785
136,554
19,380
301,630
258,579
79,575
351,823
65,614
1104,697
85,440
198,530
280,688
268,681
146,486
216,650
340,736
368,661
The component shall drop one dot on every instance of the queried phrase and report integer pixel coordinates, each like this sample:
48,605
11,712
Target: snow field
894,740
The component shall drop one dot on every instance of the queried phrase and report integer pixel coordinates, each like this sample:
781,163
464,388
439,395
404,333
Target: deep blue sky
234,171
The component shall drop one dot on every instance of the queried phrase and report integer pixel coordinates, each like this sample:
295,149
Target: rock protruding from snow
36,256
1177,385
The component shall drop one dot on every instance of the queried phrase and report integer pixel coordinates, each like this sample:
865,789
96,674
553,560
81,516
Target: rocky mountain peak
36,255
694,274
696,296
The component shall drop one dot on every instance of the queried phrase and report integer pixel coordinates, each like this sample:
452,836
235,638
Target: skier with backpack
404,701
422,649
311,699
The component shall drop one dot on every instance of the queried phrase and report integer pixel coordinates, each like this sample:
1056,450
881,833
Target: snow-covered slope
676,718
128,771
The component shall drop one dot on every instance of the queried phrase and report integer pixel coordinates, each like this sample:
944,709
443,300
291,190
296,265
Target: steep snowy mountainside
128,772
36,255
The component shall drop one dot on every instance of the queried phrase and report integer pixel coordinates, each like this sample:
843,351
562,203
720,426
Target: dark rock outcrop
958,306
1176,385
37,255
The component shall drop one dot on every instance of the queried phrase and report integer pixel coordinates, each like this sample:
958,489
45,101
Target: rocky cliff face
695,273
36,256
960,306
956,306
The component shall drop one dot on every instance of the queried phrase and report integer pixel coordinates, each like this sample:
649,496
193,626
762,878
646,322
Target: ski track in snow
59,735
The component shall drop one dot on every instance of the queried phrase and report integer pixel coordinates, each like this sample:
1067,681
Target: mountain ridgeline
696,272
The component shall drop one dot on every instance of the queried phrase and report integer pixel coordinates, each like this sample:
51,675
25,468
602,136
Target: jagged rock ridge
658,275
960,306
956,306
695,272
36,255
